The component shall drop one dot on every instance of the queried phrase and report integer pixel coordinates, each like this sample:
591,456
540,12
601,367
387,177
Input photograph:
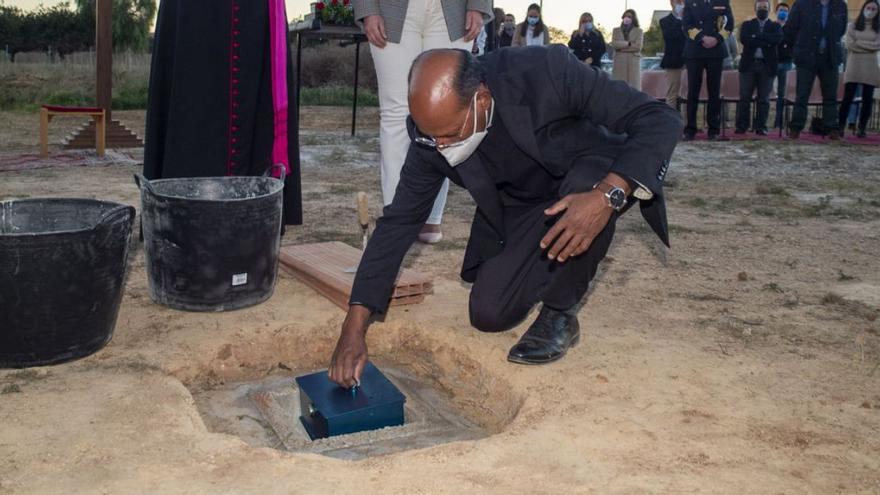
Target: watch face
617,198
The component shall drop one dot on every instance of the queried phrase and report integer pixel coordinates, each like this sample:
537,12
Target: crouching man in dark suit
552,151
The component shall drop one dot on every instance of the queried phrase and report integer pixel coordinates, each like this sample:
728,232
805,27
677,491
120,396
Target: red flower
346,2
334,2
319,6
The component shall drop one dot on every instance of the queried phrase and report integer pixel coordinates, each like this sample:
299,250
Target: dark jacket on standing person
783,51
752,37
505,38
804,31
589,45
673,42
572,121
703,18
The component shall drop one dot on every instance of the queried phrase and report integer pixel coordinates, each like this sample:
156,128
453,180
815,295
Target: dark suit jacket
592,45
703,18
571,118
752,37
673,41
803,30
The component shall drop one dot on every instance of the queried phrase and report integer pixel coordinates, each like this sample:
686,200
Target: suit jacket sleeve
396,231
652,128
364,8
482,6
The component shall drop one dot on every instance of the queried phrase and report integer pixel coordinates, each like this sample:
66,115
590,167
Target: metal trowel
363,211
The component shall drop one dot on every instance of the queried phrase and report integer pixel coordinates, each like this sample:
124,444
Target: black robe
210,110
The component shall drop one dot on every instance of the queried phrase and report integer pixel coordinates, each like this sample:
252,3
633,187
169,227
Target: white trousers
424,29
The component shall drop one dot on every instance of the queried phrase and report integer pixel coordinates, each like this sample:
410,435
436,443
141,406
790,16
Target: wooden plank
323,267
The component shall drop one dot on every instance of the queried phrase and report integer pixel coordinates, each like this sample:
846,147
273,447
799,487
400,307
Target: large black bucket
62,270
211,243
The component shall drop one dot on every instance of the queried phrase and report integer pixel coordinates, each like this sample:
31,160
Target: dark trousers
849,93
781,84
712,68
828,76
758,78
510,284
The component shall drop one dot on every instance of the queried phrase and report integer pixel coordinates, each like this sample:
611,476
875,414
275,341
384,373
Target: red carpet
873,138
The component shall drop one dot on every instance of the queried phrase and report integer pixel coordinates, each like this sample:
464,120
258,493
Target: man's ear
484,97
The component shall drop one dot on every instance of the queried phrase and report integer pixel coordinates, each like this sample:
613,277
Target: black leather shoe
762,132
862,133
548,339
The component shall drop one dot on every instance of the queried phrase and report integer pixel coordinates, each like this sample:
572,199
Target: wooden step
323,267
118,136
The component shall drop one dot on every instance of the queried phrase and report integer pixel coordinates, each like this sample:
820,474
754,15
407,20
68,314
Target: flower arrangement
336,12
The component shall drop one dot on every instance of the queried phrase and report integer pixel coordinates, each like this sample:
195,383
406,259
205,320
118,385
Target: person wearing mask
547,202
706,24
862,45
532,32
673,51
398,31
814,31
627,43
587,43
760,37
784,64
492,29
508,28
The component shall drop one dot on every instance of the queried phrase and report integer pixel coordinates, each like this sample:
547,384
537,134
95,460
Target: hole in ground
450,397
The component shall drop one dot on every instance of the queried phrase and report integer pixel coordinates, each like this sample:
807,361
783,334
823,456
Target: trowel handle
363,207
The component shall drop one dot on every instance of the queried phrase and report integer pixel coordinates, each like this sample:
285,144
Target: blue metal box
328,409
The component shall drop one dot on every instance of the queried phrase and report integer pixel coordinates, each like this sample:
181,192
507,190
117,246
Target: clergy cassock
222,98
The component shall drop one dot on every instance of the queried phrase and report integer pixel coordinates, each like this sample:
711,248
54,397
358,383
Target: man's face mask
679,9
782,15
763,11
457,153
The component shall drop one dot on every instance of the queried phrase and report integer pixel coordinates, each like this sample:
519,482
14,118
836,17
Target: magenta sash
278,54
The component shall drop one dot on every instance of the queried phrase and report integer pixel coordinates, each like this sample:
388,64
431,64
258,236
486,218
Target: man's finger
557,208
570,248
359,369
560,244
382,31
583,246
552,233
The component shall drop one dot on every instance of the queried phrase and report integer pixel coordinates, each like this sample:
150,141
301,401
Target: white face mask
870,13
462,150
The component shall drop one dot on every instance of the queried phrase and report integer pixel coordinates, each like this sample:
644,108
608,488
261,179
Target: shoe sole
518,360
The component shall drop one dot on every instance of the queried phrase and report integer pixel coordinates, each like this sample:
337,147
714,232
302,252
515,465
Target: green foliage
131,22
337,96
57,29
653,42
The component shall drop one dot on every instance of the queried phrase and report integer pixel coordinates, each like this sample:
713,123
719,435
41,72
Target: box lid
332,400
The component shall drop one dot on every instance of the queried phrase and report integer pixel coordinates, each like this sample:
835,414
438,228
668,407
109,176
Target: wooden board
322,267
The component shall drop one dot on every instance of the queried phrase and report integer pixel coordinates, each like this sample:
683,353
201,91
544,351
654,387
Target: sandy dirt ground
746,359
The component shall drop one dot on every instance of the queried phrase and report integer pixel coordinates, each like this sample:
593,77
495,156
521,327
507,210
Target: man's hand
709,42
350,356
589,61
473,24
374,28
586,214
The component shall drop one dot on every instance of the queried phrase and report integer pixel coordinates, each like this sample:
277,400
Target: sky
562,14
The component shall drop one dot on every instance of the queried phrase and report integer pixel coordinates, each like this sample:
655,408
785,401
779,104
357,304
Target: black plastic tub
211,243
62,274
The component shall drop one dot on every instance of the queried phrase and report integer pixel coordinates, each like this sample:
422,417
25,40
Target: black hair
469,73
632,13
782,4
875,22
539,27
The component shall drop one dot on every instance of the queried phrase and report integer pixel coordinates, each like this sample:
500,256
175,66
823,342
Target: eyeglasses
431,142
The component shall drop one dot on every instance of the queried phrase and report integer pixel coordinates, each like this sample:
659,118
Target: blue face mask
782,15
679,9
588,26
533,20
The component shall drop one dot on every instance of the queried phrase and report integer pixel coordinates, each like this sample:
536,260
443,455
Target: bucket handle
143,184
114,213
282,171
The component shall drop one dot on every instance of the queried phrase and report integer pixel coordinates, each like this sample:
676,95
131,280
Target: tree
131,22
557,35
56,29
653,42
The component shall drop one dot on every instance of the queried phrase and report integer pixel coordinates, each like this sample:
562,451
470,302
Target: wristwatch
615,195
